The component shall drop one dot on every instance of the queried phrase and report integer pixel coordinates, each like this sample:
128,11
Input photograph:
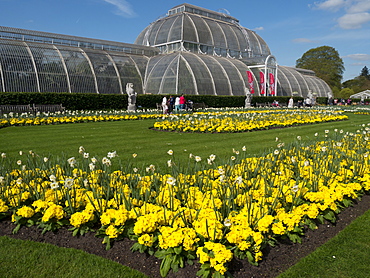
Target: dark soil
276,260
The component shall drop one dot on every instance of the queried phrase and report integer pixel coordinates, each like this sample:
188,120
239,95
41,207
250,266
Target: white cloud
123,7
331,5
357,64
304,40
353,21
355,12
358,57
259,28
359,6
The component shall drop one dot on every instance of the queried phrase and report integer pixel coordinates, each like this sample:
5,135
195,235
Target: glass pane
105,73
176,30
163,33
17,67
217,33
79,71
204,34
189,31
186,82
52,75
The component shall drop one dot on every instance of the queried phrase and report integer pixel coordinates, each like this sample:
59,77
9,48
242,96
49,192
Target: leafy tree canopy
365,72
358,84
346,93
325,62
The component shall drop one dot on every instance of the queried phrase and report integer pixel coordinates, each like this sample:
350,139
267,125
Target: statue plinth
131,107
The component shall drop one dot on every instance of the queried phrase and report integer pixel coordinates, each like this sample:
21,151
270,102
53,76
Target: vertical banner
262,83
250,81
272,84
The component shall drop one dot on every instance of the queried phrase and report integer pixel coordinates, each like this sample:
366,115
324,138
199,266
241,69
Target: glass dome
191,28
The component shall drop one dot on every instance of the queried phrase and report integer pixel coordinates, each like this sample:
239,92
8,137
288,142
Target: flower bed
208,211
15,119
241,121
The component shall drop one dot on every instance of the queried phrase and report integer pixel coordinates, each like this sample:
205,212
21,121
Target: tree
365,72
325,62
346,93
358,84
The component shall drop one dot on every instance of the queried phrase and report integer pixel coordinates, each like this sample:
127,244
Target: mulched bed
276,260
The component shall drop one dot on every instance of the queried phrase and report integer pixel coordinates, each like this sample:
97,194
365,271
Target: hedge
87,101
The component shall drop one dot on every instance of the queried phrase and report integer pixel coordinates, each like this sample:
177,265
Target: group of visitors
341,101
173,103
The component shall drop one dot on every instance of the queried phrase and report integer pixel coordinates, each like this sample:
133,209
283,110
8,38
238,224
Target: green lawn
22,258
128,137
27,259
347,255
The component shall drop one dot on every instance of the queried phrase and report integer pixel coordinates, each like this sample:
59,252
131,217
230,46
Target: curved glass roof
196,74
300,81
210,32
202,52
36,67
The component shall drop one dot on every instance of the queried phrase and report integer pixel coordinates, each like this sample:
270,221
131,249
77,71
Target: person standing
177,103
170,104
290,103
182,102
164,105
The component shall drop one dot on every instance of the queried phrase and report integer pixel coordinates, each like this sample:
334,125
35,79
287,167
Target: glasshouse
191,50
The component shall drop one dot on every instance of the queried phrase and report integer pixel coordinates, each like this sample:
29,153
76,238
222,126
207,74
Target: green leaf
16,229
75,232
250,257
135,247
160,254
330,215
165,265
178,250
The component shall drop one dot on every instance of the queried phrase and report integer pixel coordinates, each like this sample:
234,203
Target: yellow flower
111,231
146,239
25,212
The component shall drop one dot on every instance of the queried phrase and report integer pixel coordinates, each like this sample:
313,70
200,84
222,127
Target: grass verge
346,255
22,258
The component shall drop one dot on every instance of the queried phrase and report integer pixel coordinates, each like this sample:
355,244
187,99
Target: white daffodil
227,222
112,154
68,183
171,181
53,178
106,161
54,185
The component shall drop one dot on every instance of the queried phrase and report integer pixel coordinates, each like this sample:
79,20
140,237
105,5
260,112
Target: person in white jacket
177,104
164,105
290,103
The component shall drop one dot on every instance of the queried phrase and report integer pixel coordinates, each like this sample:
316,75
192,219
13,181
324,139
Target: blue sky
290,27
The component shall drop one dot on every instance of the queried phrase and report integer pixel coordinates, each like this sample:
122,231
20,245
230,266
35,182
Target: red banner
250,81
272,84
262,83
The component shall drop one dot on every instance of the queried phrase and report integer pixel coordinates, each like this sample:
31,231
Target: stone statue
248,98
131,97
